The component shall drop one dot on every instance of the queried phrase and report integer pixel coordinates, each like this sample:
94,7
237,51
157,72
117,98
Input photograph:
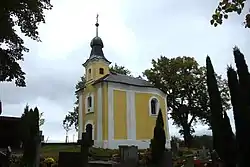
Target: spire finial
97,24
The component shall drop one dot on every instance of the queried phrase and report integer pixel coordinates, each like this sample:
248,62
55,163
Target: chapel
122,110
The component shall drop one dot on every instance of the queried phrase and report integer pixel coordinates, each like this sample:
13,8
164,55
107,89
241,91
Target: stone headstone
70,159
203,154
167,159
174,147
129,155
86,143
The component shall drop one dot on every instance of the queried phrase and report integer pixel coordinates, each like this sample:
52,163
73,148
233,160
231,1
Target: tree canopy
184,81
226,7
71,119
26,15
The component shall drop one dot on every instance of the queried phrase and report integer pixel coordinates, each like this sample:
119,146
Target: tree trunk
187,136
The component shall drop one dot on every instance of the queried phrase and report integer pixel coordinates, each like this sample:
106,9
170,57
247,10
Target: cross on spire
97,24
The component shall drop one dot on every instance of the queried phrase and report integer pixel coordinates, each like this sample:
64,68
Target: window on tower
89,103
89,74
154,106
101,71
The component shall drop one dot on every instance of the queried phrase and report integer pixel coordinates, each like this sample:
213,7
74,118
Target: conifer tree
240,97
223,137
30,135
159,140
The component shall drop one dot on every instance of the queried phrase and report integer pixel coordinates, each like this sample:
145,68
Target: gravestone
71,159
129,155
167,159
174,147
203,154
86,143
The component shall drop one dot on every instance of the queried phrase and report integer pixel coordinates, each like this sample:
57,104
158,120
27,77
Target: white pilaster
168,144
99,114
131,115
80,119
110,113
129,127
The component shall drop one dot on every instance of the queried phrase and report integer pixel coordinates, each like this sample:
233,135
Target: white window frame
87,108
157,106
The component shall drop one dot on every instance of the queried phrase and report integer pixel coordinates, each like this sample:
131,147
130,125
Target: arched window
101,71
154,106
89,75
89,101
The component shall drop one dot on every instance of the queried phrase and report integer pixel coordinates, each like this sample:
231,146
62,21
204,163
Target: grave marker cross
86,143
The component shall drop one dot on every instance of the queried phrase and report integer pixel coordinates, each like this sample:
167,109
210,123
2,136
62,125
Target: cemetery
22,143
82,153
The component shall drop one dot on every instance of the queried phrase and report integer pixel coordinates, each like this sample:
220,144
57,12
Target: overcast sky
133,32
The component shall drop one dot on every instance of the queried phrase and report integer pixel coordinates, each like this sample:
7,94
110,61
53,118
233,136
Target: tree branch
192,119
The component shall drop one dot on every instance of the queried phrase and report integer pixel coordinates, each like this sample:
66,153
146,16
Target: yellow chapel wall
120,114
90,117
141,125
145,123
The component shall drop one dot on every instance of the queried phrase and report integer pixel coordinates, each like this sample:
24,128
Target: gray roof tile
124,79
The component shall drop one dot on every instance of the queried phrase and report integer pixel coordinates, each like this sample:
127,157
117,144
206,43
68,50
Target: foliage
184,81
159,140
26,15
30,135
49,160
41,119
72,117
233,151
226,7
240,96
198,141
223,136
119,70
66,127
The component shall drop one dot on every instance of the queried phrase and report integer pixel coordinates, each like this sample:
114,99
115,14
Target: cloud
133,32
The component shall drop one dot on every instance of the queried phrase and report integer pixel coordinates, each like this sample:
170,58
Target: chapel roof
124,79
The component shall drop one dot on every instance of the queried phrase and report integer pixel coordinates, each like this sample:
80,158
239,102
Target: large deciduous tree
226,7
72,117
184,81
26,15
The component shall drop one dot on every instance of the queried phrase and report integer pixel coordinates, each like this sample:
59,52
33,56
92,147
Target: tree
26,15
223,137
184,81
30,135
119,70
41,119
239,85
159,140
72,117
226,7
67,128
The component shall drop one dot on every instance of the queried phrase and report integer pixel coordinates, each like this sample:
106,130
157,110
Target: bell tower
96,66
